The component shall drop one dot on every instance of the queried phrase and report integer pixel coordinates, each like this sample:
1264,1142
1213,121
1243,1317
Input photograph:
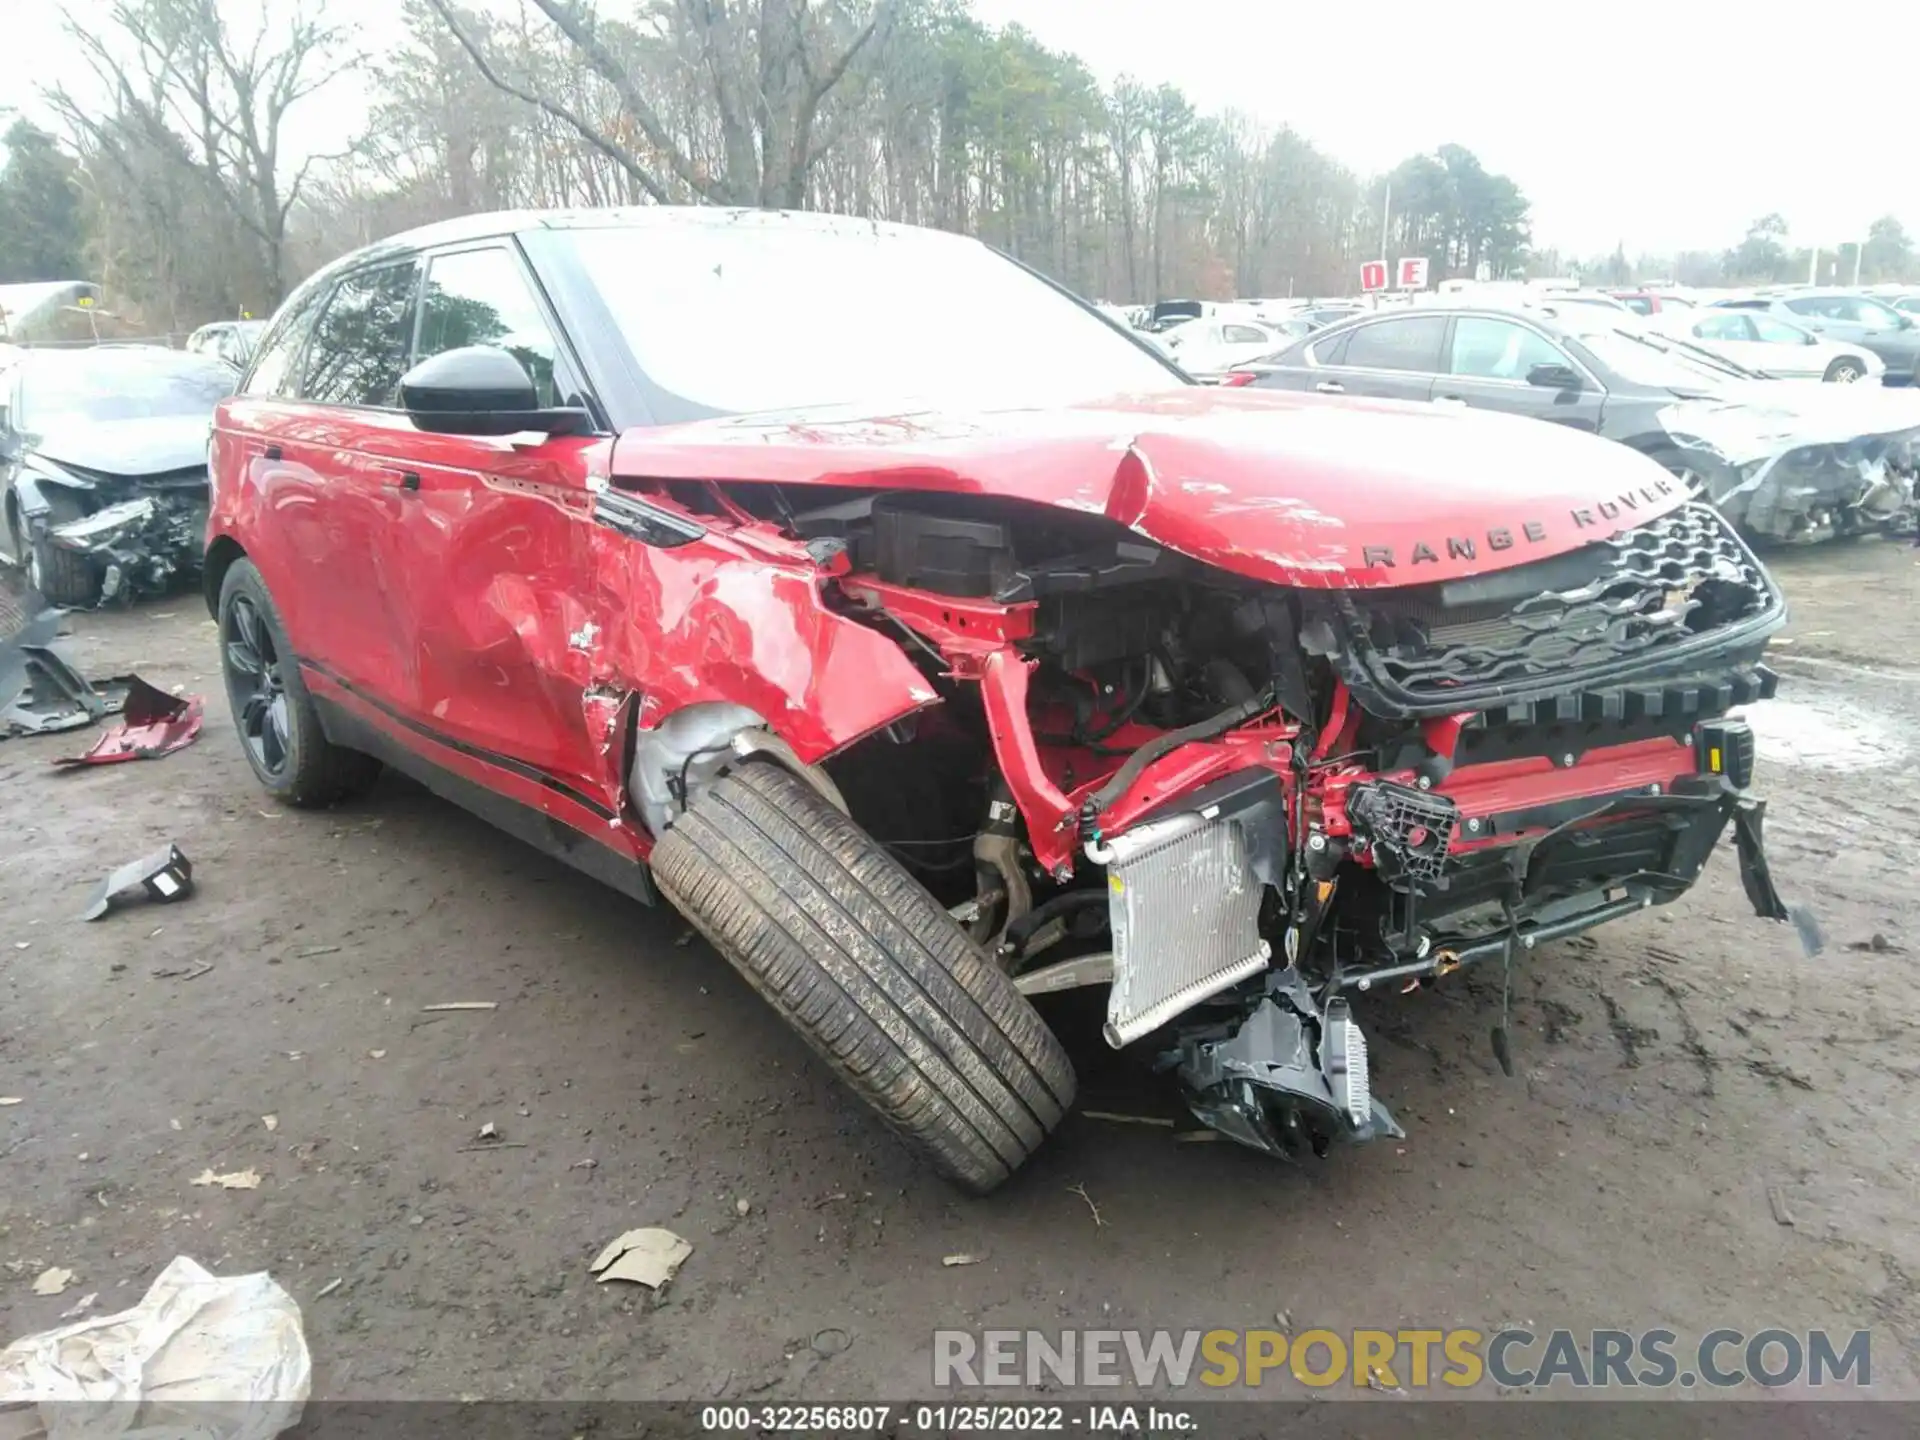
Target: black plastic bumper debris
166,874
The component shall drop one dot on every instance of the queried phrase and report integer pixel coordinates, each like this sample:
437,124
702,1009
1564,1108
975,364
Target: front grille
1649,601
1185,907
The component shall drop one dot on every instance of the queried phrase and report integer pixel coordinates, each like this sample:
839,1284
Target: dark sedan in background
1783,461
103,454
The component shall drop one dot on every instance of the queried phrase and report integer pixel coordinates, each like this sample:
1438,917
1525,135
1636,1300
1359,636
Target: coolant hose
1160,745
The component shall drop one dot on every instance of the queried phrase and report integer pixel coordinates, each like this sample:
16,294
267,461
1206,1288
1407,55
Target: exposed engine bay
1236,804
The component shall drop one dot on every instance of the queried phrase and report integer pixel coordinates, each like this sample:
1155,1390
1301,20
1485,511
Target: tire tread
872,971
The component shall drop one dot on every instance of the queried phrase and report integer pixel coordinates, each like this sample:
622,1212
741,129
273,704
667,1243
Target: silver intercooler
1184,907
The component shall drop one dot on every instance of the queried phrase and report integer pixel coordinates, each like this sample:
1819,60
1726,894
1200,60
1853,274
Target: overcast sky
1664,125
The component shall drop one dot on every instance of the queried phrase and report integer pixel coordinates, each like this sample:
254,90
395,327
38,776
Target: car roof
497,224
1540,313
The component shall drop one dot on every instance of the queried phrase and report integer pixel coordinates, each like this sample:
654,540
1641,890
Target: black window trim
385,261
283,319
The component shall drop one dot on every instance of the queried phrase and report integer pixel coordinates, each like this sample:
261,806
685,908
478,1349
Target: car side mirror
1554,377
482,390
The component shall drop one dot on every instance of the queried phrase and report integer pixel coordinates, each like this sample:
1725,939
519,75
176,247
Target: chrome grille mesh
1184,907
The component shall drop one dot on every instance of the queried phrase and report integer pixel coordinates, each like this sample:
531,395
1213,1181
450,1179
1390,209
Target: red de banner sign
1413,273
1373,275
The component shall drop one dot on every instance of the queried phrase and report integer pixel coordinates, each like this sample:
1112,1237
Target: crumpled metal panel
1184,906
1798,461
155,724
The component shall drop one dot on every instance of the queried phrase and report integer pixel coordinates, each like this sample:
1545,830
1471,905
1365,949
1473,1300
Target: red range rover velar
931,643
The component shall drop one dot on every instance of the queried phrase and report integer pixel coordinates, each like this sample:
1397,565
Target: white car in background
1758,341
1206,349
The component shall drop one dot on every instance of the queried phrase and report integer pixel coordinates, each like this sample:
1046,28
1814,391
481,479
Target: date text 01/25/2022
946,1419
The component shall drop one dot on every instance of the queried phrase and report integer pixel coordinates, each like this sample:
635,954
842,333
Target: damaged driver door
502,637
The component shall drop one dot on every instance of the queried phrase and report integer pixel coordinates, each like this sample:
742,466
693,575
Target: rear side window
1490,349
1730,326
1245,335
479,297
276,364
1830,307
1779,332
1408,344
1330,350
359,348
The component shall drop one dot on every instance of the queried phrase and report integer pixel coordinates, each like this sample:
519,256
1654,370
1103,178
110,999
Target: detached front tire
280,730
870,969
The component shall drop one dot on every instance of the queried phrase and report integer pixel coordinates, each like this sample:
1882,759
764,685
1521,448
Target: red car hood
1293,489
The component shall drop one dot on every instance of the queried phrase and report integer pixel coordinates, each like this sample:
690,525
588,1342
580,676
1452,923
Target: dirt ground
1673,1071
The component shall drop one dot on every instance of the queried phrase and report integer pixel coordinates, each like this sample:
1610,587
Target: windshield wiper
1681,350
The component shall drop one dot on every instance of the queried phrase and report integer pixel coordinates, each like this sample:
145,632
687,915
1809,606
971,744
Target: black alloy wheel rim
256,688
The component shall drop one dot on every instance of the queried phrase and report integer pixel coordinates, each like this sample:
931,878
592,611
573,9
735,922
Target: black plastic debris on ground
40,693
166,874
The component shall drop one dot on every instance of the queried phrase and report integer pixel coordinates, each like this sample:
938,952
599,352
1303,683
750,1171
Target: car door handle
407,480
1449,400
1330,387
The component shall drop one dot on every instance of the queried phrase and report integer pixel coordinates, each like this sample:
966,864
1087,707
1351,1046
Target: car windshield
734,319
1688,350
60,388
1645,360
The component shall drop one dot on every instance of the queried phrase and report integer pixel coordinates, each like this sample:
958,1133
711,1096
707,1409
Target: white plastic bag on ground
201,1357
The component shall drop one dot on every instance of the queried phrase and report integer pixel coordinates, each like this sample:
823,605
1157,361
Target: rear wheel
1845,371
874,974
59,574
279,727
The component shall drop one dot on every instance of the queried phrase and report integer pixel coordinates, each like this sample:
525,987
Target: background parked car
1850,317
1779,471
1764,342
103,452
1328,313
1207,349
230,340
1651,302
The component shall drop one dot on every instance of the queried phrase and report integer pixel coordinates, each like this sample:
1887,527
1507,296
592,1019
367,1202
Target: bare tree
763,71
176,67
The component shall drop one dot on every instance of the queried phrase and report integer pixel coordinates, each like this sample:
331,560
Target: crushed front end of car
1843,465
1244,805
1251,708
132,535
